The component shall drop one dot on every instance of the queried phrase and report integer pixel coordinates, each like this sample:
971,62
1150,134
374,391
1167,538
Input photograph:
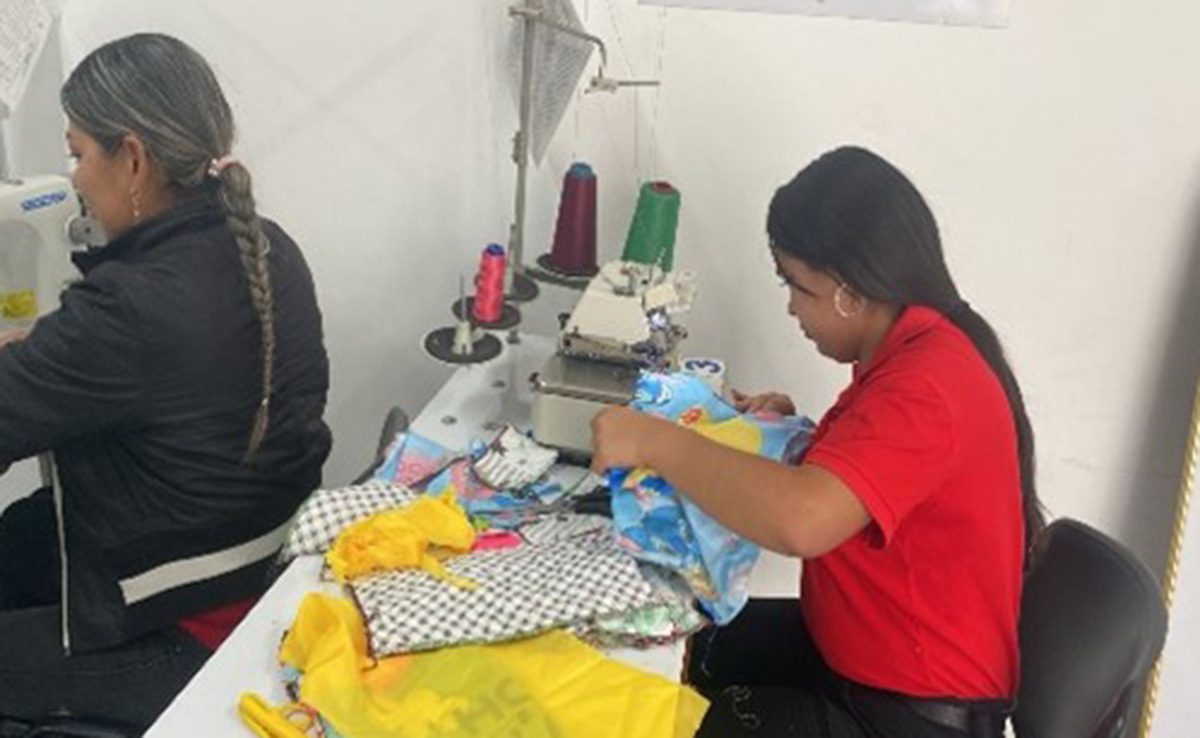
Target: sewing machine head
625,316
40,221
622,324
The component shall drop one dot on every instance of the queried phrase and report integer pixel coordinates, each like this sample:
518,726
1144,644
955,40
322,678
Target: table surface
474,402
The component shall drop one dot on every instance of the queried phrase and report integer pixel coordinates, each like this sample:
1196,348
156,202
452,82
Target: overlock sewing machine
623,323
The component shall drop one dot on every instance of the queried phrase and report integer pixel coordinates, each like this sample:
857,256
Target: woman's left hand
13,336
621,438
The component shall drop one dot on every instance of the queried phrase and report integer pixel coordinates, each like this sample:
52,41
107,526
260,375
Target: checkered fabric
522,591
328,512
569,526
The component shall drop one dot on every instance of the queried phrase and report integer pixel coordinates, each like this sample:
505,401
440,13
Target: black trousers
765,678
129,684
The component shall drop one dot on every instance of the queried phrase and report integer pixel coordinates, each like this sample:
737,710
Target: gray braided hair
161,90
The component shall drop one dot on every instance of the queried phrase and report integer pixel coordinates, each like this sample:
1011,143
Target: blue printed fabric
412,460
429,467
657,525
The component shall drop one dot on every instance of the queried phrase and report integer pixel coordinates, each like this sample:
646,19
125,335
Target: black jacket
144,384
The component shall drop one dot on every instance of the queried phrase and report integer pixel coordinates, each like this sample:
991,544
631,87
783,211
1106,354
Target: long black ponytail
852,213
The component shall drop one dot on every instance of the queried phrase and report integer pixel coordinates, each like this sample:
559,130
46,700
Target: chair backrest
394,422
1092,623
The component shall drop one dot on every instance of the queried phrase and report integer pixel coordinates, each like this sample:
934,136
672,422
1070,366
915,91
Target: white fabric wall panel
1058,153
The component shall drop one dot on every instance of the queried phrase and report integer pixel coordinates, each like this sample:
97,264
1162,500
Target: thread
651,238
574,250
489,285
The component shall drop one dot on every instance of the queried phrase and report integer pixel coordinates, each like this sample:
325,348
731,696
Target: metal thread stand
531,14
4,173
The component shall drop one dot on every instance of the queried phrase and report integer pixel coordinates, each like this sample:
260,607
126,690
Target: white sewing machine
40,222
622,324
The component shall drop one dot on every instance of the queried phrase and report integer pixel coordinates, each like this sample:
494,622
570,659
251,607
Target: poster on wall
24,26
989,13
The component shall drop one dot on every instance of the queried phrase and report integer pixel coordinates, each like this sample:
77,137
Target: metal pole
4,166
521,144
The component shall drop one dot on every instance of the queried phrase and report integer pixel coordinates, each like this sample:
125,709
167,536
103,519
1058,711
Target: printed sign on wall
991,13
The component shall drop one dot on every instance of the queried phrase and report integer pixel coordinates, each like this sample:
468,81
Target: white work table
474,402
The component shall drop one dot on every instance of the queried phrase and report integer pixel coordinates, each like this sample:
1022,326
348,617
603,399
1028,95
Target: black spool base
440,345
547,272
510,316
524,289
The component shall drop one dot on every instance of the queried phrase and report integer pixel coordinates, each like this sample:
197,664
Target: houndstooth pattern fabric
522,591
328,512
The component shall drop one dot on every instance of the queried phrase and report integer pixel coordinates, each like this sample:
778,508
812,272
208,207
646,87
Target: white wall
377,138
1061,158
1060,155
33,137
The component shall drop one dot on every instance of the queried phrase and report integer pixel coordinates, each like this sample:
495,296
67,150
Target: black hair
854,215
162,90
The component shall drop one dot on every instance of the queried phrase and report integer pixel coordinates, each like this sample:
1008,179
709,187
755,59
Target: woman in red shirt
913,507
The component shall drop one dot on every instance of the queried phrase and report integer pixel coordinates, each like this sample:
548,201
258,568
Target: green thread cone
651,238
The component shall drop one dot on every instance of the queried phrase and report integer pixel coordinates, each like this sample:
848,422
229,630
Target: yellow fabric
552,685
270,722
408,537
737,433
18,304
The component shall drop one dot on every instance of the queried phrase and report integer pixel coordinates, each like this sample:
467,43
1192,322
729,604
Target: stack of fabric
443,639
566,571
474,584
550,685
504,482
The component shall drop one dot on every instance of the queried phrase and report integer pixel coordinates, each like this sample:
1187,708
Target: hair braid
238,200
161,90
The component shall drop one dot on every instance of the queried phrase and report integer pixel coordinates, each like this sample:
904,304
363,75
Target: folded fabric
494,540
513,460
655,524
656,625
327,512
550,685
416,535
566,527
671,617
411,459
521,591
426,465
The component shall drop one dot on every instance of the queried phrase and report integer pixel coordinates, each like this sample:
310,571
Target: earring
136,199
837,302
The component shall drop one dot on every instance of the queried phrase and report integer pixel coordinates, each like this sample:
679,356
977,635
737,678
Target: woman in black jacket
180,389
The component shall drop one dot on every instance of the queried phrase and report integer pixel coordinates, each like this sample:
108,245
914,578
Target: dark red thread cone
574,251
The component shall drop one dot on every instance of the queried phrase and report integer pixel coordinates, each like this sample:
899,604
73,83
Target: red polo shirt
924,601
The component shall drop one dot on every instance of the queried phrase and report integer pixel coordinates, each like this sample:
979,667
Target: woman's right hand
774,402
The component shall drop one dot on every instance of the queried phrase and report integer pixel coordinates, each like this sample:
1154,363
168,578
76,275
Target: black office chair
1092,623
66,727
394,422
